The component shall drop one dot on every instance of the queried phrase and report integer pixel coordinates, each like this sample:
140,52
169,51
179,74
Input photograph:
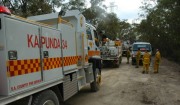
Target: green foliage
27,8
107,22
161,28
96,14
111,25
74,4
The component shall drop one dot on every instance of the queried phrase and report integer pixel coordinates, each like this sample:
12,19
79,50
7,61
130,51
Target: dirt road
126,85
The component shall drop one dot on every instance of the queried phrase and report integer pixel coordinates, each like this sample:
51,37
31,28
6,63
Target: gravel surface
126,85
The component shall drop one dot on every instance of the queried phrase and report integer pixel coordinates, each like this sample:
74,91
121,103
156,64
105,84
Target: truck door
90,42
93,43
51,54
96,43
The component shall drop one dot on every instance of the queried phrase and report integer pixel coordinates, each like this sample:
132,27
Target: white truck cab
143,46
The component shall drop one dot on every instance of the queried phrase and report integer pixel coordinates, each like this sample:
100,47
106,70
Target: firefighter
117,42
146,62
102,37
157,61
138,55
128,55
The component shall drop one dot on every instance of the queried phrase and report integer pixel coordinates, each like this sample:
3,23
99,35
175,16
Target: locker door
51,54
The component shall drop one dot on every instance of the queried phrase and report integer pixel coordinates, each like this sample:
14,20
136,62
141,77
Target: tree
74,4
111,25
108,22
96,12
161,28
27,8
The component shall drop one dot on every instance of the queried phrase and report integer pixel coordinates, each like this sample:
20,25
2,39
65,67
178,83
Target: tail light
5,10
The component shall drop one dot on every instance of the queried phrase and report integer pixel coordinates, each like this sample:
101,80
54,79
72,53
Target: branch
21,2
13,8
3,2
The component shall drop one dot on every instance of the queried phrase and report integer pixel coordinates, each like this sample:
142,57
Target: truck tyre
95,85
47,97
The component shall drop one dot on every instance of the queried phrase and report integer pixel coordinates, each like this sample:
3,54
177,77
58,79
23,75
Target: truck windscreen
142,47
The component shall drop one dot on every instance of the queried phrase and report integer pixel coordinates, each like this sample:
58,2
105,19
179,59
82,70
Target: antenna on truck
62,13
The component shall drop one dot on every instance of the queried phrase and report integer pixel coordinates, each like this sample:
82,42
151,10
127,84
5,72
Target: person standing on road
146,62
138,55
128,55
157,61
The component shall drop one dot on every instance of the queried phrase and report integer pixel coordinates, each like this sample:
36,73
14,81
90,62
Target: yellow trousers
128,59
146,68
137,62
156,68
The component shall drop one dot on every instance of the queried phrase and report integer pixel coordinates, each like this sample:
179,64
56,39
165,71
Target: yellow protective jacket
146,58
128,53
138,55
117,43
157,57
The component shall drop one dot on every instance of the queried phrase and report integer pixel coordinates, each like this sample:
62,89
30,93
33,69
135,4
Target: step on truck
46,59
111,53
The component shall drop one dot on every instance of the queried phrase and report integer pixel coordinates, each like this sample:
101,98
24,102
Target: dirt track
126,85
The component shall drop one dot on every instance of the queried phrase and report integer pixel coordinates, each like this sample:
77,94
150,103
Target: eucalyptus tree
32,7
161,27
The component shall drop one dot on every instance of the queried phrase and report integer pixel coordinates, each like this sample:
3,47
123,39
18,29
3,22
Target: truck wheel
95,85
47,97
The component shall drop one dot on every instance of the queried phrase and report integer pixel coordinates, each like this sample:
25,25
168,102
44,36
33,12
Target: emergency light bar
5,10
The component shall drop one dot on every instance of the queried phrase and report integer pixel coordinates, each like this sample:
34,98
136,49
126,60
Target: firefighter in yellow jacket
138,56
128,54
146,62
117,42
157,61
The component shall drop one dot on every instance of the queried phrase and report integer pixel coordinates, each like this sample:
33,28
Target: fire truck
46,59
111,53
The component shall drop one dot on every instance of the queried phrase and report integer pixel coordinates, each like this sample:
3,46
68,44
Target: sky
126,9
